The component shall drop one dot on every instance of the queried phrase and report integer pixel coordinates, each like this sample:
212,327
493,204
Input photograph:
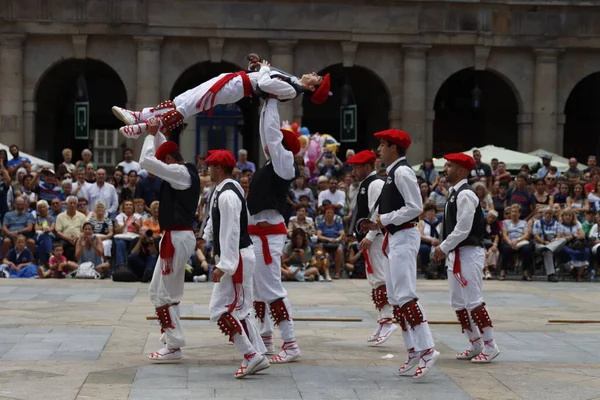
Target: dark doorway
354,85
582,125
474,109
226,121
55,100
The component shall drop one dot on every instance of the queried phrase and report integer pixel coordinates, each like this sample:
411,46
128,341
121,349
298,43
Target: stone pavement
88,339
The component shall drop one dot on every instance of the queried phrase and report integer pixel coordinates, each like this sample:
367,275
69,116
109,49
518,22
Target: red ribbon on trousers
167,250
238,287
367,261
456,269
262,232
385,242
211,93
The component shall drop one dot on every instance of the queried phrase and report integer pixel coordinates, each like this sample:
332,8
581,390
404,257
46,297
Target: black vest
215,216
477,232
287,78
362,203
177,208
268,191
391,199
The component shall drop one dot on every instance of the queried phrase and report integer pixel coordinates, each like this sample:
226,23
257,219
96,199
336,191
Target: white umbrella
36,163
557,160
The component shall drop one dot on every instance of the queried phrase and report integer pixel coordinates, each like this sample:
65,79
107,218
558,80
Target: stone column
525,140
148,76
29,109
282,57
414,95
11,89
395,118
545,99
561,120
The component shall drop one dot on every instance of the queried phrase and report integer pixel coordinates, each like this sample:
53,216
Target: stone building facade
401,52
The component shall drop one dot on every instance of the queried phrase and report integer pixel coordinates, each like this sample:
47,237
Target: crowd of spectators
55,221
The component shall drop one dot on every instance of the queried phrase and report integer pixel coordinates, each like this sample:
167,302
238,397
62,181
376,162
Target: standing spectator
428,173
148,188
573,174
102,226
302,221
439,196
3,158
588,222
56,207
245,184
67,155
330,234
128,192
502,175
120,182
485,200
334,195
48,190
521,195
561,196
575,251
90,173
17,160
430,237
306,203
525,170
351,189
128,164
547,241
594,197
18,222
542,198
68,227
481,169
299,187
491,241
347,168
494,165
89,249
80,184
515,235
83,206
18,262
304,170
86,158
577,200
595,178
17,184
101,190
499,197
331,165
546,166
44,229
591,164
425,190
243,162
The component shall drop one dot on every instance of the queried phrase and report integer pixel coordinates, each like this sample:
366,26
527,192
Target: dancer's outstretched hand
153,125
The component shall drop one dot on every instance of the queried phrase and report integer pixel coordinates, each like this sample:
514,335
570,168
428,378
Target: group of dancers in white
248,299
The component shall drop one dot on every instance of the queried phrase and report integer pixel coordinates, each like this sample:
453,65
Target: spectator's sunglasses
82,204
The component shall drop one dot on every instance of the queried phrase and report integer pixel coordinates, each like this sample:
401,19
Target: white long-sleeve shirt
466,204
106,192
373,194
282,159
230,208
281,89
176,174
406,182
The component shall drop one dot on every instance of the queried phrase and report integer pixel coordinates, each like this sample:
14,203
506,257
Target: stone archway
474,108
55,96
582,119
355,85
232,126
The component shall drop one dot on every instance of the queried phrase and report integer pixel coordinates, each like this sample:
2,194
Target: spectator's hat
224,158
546,156
395,136
304,196
143,173
48,172
165,149
362,158
326,203
464,160
322,92
290,139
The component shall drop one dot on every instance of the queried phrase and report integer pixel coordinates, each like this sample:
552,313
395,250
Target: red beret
464,160
363,157
291,141
322,92
224,158
167,147
395,136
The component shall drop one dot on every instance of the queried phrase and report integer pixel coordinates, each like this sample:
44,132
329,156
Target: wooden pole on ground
574,321
304,319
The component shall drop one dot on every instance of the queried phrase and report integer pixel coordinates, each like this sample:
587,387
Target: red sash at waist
384,246
167,250
262,232
211,93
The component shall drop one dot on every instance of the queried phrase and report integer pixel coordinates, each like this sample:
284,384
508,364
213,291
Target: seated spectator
300,188
330,235
430,237
82,206
152,223
573,174
591,164
18,222
17,184
588,222
428,173
89,249
245,184
485,200
577,200
28,190
594,239
66,189
128,164
595,178
541,196
201,269
304,170
47,190
594,198
148,188
322,262
515,235
561,196
86,158
297,258
103,227
322,184
18,262
58,266
425,193
355,264
502,176
336,197
551,181
44,229
491,241
128,192
56,207
575,250
521,195
499,197
547,242
68,227
306,203
67,155
301,221
143,257
119,180
127,222
139,207
438,196
346,211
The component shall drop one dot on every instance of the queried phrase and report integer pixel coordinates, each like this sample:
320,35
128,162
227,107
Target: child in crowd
59,266
18,262
588,222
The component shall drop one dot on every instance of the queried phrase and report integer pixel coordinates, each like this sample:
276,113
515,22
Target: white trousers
168,289
402,251
232,92
472,260
379,263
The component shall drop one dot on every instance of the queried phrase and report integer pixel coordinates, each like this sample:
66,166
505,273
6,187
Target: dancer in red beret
227,229
462,245
179,195
400,205
227,88
266,203
363,169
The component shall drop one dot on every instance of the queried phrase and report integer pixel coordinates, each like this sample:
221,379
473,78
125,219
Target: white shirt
176,174
281,89
372,196
466,204
337,197
282,159
230,208
130,166
406,182
106,192
85,185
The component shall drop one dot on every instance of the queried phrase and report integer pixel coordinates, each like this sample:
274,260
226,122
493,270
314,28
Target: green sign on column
82,120
348,124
